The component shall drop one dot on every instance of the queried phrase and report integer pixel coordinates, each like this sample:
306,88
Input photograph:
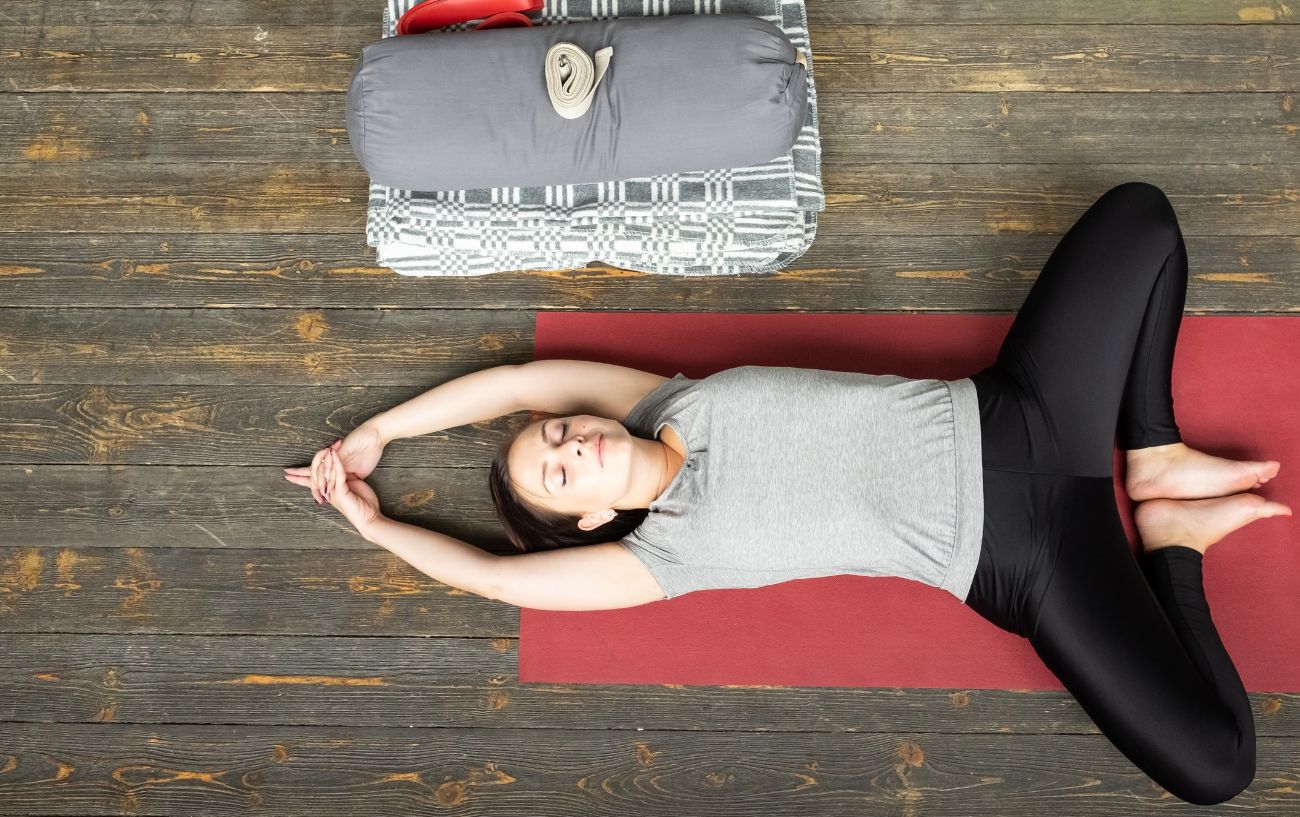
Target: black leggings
1131,638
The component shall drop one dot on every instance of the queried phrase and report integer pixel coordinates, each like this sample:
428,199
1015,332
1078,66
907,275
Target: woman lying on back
996,488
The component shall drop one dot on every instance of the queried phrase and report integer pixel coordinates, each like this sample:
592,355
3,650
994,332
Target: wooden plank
123,197
210,770
160,607
176,57
230,590
902,58
878,199
204,127
936,199
1061,58
54,506
1050,12
270,13
856,126
844,270
470,682
215,425
349,347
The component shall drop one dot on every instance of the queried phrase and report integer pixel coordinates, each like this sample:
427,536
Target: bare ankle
1160,524
1155,451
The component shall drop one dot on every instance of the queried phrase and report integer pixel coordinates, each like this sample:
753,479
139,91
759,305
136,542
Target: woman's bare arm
604,576
445,558
467,399
595,577
583,387
555,386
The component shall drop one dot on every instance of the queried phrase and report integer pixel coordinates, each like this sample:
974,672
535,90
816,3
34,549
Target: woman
996,488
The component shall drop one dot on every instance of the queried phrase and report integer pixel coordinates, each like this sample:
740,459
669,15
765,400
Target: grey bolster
470,109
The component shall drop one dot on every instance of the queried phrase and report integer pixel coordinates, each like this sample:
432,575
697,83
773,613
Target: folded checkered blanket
708,222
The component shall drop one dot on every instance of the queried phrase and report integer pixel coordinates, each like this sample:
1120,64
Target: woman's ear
591,521
535,415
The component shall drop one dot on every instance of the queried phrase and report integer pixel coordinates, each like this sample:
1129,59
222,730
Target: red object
433,14
1234,394
506,19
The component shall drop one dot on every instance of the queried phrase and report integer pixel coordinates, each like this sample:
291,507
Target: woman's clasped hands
336,475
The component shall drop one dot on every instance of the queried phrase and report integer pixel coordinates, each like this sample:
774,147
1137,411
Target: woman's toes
1274,509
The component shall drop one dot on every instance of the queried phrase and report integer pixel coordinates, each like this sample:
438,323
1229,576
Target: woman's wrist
368,529
378,424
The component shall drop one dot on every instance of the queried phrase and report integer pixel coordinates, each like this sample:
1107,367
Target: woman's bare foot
1199,523
1175,471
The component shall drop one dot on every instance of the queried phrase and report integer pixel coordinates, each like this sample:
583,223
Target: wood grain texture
913,58
881,199
354,347
187,304
50,506
237,589
845,270
274,13
1189,59
469,682
861,124
187,127
858,124
209,197
207,425
208,770
958,199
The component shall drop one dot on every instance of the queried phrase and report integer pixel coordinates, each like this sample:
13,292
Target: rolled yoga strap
472,109
572,78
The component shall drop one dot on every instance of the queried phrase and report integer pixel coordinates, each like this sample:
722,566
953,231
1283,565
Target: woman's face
573,465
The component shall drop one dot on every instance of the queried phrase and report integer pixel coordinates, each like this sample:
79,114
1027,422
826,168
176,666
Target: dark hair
531,528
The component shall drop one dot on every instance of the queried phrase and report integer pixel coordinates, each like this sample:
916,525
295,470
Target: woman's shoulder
674,440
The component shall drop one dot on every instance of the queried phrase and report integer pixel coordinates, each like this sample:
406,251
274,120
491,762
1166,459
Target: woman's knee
1215,773
1146,206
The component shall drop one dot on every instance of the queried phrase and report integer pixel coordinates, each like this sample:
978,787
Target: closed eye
564,431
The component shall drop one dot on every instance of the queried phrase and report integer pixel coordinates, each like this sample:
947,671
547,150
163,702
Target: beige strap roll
572,78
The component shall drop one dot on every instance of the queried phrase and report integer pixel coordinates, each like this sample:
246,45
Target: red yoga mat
1235,393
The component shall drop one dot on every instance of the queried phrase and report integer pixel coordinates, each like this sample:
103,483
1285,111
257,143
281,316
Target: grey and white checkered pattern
707,222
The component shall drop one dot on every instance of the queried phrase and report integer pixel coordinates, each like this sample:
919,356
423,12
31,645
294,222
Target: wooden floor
189,305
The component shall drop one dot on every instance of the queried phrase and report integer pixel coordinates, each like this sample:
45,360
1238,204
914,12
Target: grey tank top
795,473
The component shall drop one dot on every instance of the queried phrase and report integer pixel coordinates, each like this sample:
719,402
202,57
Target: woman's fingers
332,463
336,474
335,477
339,487
318,476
